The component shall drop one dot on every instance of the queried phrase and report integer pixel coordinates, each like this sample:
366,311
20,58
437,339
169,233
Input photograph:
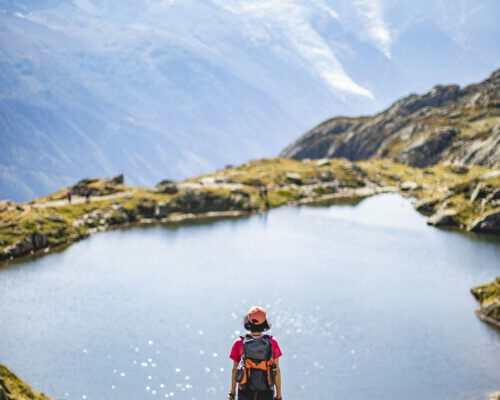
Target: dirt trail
81,200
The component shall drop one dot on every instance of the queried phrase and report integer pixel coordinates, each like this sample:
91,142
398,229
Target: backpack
257,367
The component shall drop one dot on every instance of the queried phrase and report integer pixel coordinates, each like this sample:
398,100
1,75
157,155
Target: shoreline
466,201
353,194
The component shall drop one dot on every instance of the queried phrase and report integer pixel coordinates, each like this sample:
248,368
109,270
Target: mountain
168,89
447,124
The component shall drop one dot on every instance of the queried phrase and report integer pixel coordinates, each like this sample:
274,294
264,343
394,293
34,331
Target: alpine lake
365,299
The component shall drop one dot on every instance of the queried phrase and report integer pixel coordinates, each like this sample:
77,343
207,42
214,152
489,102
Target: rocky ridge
447,125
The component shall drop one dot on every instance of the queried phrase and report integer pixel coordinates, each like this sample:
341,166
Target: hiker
264,199
266,196
256,356
87,196
68,195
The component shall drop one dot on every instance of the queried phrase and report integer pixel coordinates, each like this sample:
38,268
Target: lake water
366,301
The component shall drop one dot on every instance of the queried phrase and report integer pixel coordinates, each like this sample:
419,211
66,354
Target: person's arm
233,380
278,380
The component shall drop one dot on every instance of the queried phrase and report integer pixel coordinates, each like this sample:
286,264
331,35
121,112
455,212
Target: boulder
491,313
354,168
19,248
116,180
223,179
395,177
489,223
83,188
408,186
35,241
326,176
147,209
117,216
163,209
294,178
426,206
443,218
39,241
323,162
194,201
459,169
166,186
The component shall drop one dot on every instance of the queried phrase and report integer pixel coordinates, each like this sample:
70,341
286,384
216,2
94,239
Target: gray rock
194,201
459,169
489,223
326,176
408,186
147,209
482,191
116,180
19,248
426,206
39,241
395,177
163,209
166,186
36,241
323,162
443,218
293,178
428,150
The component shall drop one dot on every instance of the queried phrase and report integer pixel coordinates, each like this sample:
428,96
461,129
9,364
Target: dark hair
250,326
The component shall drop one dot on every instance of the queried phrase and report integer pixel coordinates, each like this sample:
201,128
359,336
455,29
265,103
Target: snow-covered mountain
171,88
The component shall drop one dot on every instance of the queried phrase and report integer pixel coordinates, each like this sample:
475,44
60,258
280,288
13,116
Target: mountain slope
448,124
163,88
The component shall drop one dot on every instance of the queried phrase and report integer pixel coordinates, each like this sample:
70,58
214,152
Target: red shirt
237,350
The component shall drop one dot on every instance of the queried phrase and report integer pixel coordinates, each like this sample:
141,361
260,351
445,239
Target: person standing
256,371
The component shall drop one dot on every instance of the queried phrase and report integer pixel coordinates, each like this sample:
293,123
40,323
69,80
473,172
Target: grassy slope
19,390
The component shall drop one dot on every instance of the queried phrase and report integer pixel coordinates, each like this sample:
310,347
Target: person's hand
231,396
278,398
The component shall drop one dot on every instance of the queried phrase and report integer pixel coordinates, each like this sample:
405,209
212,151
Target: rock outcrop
488,296
33,242
444,219
489,223
448,124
